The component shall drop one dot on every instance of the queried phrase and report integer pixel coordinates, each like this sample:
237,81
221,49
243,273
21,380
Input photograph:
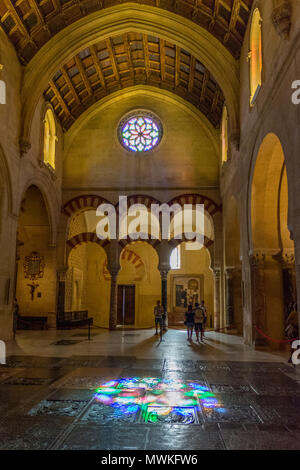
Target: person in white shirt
158,315
199,321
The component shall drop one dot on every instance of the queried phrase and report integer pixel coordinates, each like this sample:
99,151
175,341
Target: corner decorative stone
282,19
234,139
25,146
49,168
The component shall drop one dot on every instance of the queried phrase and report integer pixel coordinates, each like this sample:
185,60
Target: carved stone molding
25,146
234,139
282,18
62,275
288,260
258,260
217,274
47,167
230,272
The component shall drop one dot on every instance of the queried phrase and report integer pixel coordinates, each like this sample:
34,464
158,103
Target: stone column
229,297
164,295
113,311
61,294
258,297
113,251
8,245
164,251
217,286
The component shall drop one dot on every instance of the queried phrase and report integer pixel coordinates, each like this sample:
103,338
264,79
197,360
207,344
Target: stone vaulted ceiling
127,60
31,23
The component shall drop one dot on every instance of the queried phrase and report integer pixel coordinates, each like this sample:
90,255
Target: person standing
204,311
199,320
15,316
158,315
190,321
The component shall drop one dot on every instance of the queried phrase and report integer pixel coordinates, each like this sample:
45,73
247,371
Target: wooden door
126,305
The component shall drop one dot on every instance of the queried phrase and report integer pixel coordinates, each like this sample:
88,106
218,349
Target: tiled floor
172,395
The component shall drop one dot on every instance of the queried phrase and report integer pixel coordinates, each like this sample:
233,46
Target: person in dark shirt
15,316
190,321
203,308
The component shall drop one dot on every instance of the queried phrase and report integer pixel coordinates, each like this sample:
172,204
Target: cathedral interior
179,104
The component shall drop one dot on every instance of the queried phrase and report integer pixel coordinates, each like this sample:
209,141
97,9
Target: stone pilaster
287,262
113,251
164,294
113,311
297,271
237,299
229,297
164,251
217,285
259,314
61,294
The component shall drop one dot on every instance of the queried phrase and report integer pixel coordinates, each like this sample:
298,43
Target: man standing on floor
158,314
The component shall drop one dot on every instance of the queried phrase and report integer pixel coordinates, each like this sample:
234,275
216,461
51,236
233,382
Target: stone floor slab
101,414
237,440
93,437
175,437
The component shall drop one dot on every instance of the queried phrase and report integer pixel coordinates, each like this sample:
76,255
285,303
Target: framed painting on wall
186,290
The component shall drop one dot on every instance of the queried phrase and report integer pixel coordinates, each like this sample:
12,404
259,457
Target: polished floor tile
129,391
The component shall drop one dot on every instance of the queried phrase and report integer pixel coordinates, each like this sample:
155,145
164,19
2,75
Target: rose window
140,133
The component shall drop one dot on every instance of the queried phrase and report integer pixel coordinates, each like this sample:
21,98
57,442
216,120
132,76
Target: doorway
126,305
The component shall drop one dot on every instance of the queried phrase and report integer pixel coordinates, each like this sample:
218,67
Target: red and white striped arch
82,203
86,237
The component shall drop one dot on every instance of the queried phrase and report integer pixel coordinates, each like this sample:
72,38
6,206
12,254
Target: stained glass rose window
140,132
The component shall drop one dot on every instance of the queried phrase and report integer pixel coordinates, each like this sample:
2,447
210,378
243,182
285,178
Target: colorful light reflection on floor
158,399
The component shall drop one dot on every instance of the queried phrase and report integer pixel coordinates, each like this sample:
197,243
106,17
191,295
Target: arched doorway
273,270
233,268
189,281
139,285
87,279
35,268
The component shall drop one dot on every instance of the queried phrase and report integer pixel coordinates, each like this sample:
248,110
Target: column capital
286,258
24,146
62,274
257,259
216,272
229,271
113,251
164,273
114,271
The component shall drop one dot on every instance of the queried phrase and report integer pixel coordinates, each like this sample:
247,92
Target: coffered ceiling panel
31,23
128,60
